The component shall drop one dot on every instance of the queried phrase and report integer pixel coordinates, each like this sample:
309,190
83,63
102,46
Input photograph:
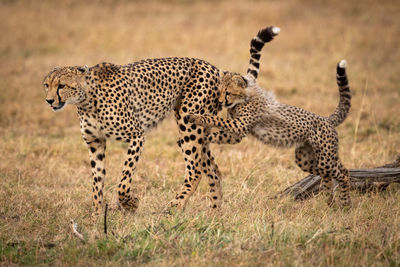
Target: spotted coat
254,111
124,102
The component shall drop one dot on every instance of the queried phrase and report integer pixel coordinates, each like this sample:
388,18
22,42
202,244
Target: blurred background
299,65
44,163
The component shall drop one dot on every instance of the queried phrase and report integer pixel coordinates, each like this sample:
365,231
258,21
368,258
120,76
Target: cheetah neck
88,102
86,106
256,93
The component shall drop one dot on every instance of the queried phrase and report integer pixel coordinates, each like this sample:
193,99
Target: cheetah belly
117,126
275,135
119,123
151,111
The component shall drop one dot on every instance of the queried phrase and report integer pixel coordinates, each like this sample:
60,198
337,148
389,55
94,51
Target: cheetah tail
343,108
257,43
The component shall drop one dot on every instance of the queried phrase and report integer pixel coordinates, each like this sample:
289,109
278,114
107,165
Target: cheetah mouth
59,107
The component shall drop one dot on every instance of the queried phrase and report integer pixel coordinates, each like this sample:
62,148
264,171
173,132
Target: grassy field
45,172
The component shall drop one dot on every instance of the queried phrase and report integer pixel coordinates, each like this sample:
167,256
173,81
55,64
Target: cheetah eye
46,85
60,86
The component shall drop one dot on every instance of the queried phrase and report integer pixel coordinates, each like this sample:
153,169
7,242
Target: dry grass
44,169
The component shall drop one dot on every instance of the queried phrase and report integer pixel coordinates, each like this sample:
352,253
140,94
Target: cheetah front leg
223,137
127,200
97,149
240,126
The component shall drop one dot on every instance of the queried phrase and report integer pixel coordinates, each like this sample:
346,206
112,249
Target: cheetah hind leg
306,160
192,176
327,189
191,142
210,169
343,179
333,171
339,177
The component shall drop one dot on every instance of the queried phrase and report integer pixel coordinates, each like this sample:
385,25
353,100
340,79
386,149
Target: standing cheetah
124,102
254,110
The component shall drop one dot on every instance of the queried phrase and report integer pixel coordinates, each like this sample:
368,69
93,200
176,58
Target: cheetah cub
252,110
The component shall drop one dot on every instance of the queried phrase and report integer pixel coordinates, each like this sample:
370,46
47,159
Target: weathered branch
361,179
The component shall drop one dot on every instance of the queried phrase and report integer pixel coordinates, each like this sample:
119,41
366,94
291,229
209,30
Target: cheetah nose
50,101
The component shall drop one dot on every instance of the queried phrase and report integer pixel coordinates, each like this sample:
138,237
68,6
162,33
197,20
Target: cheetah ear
222,73
83,69
250,81
245,82
239,80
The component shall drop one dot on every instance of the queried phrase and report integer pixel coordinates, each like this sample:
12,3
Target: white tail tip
276,30
343,63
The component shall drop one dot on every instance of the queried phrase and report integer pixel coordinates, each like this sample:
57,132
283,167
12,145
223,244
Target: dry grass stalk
74,228
44,168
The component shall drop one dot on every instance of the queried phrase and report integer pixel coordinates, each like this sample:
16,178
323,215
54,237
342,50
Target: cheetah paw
195,119
173,206
130,204
191,118
114,206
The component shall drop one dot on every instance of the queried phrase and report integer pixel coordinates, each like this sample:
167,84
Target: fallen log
363,180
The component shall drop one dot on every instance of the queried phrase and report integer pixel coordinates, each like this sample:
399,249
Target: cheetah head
65,85
232,89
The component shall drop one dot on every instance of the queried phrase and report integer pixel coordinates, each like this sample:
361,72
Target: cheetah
252,110
124,102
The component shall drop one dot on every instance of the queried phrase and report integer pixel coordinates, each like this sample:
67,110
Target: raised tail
256,45
342,110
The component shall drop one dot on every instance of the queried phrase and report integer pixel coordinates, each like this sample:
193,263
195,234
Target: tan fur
124,102
235,83
259,114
